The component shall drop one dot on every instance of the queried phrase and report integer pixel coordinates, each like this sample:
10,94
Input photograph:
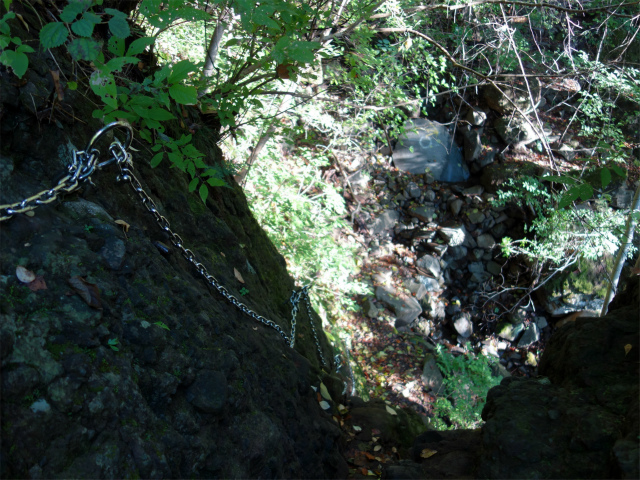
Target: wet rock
429,195
488,158
502,100
113,252
456,235
430,147
432,378
541,322
463,325
406,308
474,191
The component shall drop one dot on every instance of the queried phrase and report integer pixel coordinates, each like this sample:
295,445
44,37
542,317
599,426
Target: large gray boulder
429,146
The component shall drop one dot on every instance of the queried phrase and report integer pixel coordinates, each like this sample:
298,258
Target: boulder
430,147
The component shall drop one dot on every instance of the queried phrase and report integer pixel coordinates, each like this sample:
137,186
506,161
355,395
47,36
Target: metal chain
124,162
80,170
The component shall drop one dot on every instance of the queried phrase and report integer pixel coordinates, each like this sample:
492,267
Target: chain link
80,170
124,162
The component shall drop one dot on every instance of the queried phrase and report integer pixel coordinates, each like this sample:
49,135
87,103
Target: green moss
57,349
195,205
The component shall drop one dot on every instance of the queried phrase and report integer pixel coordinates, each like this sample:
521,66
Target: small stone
475,190
40,405
413,190
424,213
405,308
485,241
509,331
531,359
463,325
431,284
431,376
208,392
494,268
417,289
476,117
385,221
475,217
429,195
530,336
430,264
476,267
370,309
541,322
478,253
455,206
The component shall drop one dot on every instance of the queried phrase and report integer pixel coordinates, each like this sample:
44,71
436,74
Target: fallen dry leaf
55,74
89,292
426,453
390,410
238,276
324,405
24,275
125,225
627,348
369,456
377,448
37,284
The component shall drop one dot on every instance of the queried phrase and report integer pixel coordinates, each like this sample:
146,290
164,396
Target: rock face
158,377
430,147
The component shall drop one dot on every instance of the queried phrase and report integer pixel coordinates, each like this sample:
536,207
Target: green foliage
302,215
556,232
467,379
15,59
113,342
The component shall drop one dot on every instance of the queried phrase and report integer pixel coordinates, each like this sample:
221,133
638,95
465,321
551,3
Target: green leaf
564,180
71,11
4,40
138,45
83,28
157,158
17,61
92,17
71,85
117,63
153,113
193,184
217,182
586,191
605,176
184,94
161,325
119,27
84,49
570,196
115,13
53,35
116,46
7,4
25,49
103,85
181,70
303,52
618,171
203,191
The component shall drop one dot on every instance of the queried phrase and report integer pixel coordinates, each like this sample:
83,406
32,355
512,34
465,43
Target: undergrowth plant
467,379
303,216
